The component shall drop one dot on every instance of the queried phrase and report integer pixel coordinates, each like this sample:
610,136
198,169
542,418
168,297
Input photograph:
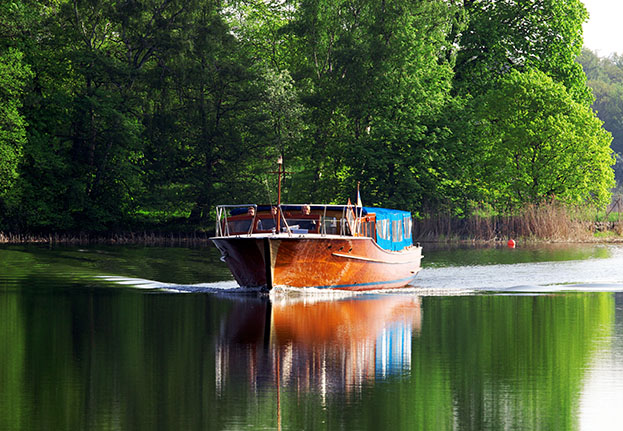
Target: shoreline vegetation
134,130
148,238
534,224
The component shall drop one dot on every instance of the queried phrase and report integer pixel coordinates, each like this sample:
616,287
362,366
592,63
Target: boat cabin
391,229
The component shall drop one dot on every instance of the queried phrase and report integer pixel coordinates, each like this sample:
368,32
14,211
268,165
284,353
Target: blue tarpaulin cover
393,228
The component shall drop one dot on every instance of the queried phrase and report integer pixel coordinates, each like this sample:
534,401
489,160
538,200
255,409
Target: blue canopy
393,228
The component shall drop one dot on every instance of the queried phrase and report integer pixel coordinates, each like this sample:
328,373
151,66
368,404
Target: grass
605,235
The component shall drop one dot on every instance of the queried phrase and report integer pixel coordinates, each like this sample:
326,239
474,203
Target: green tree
605,78
152,111
283,134
517,35
82,164
204,122
262,28
373,86
75,165
532,142
13,76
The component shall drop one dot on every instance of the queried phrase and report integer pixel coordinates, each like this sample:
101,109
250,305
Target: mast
279,173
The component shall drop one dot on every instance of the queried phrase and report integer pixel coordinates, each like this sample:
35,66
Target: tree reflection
515,362
476,362
94,359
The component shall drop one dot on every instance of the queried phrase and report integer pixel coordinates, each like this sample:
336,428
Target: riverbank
551,222
482,231
126,238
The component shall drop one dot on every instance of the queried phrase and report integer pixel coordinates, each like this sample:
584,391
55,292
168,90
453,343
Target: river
145,338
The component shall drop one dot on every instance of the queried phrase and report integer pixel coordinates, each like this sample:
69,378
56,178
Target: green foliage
118,115
537,144
373,89
510,35
13,76
605,78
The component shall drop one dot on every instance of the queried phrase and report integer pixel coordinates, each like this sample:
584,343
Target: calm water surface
136,338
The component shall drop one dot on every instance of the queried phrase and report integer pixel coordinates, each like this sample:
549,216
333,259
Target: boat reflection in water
337,346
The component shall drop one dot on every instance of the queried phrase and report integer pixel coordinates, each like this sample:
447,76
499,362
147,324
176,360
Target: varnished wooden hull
333,262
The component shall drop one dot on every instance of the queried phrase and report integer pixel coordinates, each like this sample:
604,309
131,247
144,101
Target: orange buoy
511,243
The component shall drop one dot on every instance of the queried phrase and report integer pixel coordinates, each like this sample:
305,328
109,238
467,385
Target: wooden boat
320,246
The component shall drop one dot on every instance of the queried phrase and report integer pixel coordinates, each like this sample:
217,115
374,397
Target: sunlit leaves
536,143
169,107
13,76
513,35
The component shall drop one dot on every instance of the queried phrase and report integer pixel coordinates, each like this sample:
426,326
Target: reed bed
547,222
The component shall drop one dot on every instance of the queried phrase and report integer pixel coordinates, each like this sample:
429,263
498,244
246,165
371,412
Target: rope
270,199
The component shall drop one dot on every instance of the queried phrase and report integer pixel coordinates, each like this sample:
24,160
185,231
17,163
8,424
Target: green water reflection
515,362
123,359
440,255
30,266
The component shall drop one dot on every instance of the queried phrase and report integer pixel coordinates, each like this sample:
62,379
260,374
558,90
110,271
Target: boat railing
223,225
223,228
348,224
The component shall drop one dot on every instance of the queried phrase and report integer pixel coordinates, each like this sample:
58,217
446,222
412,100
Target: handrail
252,225
283,216
237,206
220,211
223,227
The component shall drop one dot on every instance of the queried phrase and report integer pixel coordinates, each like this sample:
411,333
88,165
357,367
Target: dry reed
548,222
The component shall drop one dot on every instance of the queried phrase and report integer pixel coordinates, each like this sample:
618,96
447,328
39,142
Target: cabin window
408,225
396,230
238,226
383,229
311,225
330,225
266,224
367,229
